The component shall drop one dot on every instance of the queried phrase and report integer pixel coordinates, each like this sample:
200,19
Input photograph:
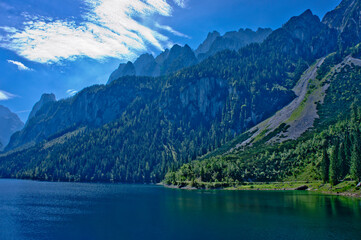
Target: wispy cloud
181,3
20,65
5,95
71,92
171,30
110,28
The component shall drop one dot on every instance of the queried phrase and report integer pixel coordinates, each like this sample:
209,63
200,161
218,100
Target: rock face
127,69
177,58
45,98
306,36
231,40
207,44
146,65
92,107
346,19
167,62
9,124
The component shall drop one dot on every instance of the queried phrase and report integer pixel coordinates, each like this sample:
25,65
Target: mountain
346,20
324,121
124,69
207,44
167,62
177,58
231,40
94,106
136,129
9,124
45,98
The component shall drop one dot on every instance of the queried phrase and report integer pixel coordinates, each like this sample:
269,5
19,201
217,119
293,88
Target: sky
62,46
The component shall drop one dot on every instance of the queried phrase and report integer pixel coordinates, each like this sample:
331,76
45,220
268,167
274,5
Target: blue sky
62,46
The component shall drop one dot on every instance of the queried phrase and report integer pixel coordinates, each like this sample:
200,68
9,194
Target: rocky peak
45,98
206,45
9,124
124,69
178,58
145,65
346,19
304,27
233,40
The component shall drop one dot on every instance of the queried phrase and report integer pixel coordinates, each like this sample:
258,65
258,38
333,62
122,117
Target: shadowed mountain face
139,127
9,124
231,41
45,98
346,19
167,62
177,58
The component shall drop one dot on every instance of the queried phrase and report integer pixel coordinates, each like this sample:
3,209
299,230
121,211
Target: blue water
39,210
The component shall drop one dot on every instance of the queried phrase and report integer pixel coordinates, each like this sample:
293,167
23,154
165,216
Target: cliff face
167,62
45,99
346,19
231,41
207,43
9,124
92,107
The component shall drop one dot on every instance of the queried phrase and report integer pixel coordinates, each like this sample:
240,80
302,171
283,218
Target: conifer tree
325,166
342,161
356,158
334,166
347,148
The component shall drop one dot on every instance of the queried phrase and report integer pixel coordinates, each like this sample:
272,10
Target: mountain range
235,94
179,57
9,124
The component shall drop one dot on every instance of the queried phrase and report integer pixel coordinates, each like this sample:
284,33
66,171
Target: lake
41,210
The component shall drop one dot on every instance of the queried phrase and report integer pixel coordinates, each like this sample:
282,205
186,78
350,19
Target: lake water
39,210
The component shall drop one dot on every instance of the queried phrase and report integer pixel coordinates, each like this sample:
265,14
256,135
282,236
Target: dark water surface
39,210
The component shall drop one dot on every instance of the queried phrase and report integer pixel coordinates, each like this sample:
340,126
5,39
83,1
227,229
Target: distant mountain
9,124
207,44
167,62
177,58
231,41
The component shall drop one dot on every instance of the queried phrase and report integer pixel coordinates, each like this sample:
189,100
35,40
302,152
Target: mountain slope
338,126
9,124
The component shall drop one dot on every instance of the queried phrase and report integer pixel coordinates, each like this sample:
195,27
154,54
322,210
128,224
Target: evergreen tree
342,161
325,166
334,166
347,148
356,159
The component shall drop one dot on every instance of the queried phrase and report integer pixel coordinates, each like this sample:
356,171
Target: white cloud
109,29
71,92
181,3
5,95
171,30
20,65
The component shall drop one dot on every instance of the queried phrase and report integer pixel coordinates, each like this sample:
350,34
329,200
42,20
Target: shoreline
326,190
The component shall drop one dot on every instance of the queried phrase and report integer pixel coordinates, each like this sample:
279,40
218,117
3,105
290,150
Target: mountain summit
346,19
